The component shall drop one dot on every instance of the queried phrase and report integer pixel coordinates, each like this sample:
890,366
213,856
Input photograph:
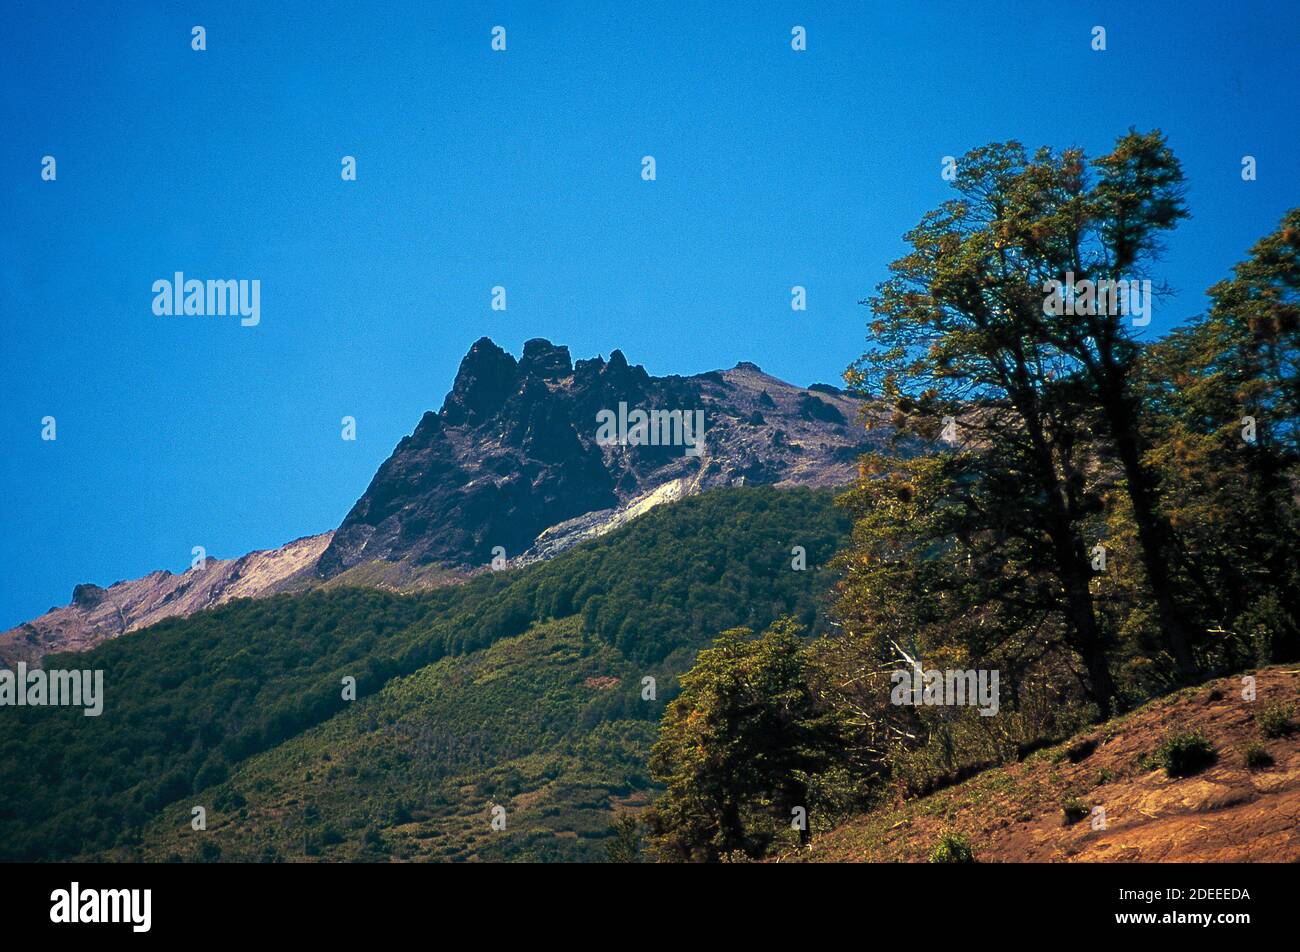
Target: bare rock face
512,458
97,614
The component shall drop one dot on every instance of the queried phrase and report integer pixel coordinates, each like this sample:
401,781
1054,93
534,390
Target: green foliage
525,723
182,701
1275,720
1030,397
735,747
1023,438
624,844
1073,810
952,848
1256,757
196,707
1185,754
677,576
1222,395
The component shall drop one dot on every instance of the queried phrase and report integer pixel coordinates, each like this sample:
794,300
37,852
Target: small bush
1073,810
952,848
1256,757
1275,720
1081,750
1182,755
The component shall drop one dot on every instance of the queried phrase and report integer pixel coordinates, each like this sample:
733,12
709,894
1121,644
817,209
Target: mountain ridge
97,613
514,453
510,460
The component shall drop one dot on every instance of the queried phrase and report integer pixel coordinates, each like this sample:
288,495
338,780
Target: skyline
520,169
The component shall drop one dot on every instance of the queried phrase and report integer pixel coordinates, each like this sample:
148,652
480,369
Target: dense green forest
189,701
1102,519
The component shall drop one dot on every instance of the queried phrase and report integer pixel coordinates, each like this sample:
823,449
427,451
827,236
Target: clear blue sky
521,169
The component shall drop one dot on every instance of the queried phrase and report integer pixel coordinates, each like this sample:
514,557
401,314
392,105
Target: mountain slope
190,701
96,614
548,725
510,460
1226,813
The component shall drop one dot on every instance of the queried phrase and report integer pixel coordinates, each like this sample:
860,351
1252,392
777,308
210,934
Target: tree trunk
1088,640
1072,565
1153,536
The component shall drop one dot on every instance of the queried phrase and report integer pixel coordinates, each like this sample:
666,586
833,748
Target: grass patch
1256,757
952,848
1073,810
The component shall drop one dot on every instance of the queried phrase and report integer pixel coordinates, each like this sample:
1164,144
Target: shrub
1182,755
1256,757
1081,750
952,848
1275,720
624,843
1073,810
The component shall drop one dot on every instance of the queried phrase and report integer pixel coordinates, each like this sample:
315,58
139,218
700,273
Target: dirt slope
1227,812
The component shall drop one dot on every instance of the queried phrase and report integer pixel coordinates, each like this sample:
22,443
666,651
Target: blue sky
521,169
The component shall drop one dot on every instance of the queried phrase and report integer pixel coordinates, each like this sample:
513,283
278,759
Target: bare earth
1227,813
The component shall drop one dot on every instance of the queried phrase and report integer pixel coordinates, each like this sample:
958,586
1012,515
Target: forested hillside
189,702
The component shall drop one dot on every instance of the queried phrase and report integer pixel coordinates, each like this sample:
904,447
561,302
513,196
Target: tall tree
958,349
1224,426
1105,228
735,747
1012,297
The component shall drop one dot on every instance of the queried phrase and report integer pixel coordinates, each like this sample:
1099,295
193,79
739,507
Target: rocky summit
514,458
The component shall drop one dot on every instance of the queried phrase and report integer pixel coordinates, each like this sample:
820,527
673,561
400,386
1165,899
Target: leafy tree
1224,431
735,747
960,356
624,844
1106,228
1023,436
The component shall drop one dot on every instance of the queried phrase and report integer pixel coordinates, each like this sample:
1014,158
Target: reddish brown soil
1227,812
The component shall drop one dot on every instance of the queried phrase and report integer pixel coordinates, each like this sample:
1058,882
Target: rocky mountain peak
545,360
512,460
87,595
513,457
486,378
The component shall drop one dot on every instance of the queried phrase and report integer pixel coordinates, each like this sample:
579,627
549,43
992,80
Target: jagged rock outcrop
512,459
